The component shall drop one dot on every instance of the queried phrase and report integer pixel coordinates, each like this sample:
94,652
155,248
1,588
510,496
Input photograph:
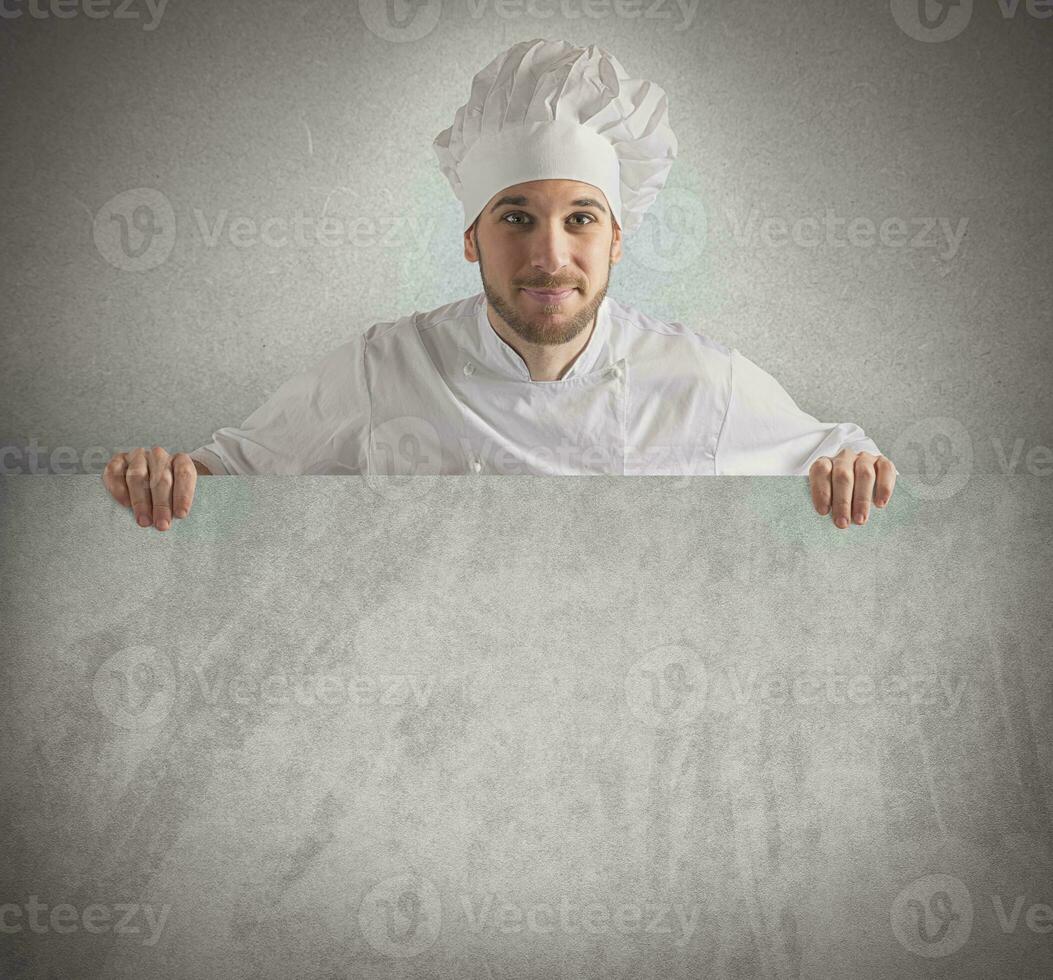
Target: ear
616,244
471,253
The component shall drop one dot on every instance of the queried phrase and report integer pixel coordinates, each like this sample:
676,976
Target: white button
616,371
477,466
469,368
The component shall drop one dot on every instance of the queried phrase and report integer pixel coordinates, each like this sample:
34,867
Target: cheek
502,259
597,269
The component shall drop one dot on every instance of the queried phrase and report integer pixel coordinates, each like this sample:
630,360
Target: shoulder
641,336
388,333
642,327
673,339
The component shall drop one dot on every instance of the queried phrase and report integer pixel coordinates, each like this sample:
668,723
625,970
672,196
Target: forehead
549,192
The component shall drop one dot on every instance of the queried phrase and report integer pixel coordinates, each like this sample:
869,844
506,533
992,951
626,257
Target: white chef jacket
441,393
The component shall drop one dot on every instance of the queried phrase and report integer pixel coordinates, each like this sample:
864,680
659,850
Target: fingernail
842,522
144,520
860,518
162,524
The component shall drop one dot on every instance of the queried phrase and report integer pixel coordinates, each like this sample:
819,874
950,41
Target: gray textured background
542,694
253,111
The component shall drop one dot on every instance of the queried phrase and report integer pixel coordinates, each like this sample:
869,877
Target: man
555,157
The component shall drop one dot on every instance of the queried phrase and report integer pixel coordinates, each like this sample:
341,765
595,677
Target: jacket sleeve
317,422
764,433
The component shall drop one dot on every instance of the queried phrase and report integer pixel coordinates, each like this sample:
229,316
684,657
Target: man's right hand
154,484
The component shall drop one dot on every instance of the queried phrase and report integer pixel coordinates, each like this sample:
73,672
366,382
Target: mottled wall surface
508,727
515,727
202,198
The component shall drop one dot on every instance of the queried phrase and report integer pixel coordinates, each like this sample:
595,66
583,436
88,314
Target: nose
550,253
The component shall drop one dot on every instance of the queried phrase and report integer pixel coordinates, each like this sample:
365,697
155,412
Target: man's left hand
842,485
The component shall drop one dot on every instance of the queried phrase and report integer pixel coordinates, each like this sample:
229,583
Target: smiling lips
549,296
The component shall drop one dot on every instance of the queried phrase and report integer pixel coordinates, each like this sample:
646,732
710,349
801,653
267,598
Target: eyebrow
581,202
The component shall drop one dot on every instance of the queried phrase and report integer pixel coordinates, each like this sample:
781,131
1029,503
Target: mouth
550,296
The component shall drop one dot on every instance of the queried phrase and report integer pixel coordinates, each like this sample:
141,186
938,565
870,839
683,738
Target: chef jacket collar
502,358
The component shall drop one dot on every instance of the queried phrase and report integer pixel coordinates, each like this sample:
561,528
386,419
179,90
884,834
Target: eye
519,214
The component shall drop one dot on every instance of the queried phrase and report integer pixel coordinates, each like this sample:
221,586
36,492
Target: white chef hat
547,109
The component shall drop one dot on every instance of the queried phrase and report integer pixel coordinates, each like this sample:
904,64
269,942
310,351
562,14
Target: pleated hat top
550,110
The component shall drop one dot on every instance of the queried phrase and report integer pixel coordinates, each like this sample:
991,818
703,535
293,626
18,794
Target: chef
555,157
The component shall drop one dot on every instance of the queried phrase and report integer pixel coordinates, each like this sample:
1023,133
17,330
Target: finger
819,483
113,478
864,487
137,479
161,487
886,480
841,480
185,480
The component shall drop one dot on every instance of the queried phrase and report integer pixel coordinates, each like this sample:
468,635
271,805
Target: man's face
550,235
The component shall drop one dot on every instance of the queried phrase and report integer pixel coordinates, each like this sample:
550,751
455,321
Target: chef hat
547,109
